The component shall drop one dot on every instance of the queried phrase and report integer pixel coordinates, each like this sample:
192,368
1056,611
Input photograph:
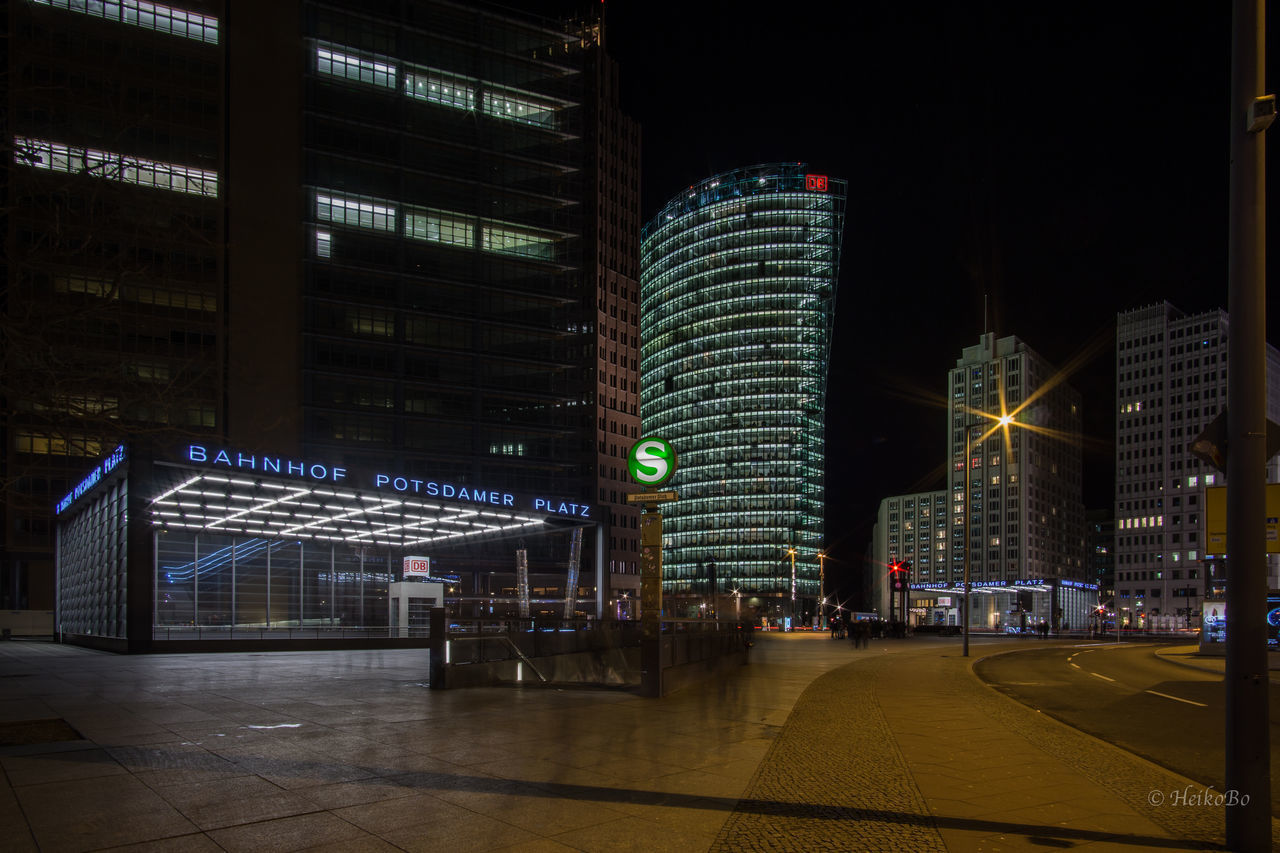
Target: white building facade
1025,516
1171,383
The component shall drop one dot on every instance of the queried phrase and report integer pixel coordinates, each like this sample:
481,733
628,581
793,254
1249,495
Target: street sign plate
652,497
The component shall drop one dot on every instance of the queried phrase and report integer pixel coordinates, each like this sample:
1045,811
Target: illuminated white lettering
339,474
269,464
433,489
243,461
417,486
463,494
321,469
539,503
400,484
508,500
448,491
381,480
297,468
223,458
196,453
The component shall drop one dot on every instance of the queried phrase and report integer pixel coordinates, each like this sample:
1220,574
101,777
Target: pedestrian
864,634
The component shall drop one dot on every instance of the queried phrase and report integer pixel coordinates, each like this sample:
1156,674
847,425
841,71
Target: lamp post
792,552
822,590
1002,421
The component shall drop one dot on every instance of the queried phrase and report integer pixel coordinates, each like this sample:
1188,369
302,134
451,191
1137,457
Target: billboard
1215,519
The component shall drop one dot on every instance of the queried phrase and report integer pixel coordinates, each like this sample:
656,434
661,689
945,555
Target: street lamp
1001,422
822,589
792,552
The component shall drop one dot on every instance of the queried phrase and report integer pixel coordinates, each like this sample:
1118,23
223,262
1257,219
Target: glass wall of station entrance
208,580
157,549
1008,607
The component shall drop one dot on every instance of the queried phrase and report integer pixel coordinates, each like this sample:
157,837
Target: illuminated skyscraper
737,294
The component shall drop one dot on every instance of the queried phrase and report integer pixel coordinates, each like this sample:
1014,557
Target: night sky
1068,160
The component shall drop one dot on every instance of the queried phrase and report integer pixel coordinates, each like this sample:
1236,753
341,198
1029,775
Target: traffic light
899,574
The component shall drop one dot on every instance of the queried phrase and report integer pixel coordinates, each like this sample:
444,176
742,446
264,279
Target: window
351,67
57,157
151,16
511,241
520,107
357,212
441,87
438,226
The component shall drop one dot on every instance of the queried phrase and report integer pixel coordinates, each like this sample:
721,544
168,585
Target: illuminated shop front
213,543
737,291
1010,606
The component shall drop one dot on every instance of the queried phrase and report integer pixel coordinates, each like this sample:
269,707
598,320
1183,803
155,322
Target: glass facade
441,163
215,581
737,288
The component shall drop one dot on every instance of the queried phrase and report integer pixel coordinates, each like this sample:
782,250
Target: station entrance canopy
223,491
206,536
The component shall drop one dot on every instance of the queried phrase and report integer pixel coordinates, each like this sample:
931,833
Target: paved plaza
812,746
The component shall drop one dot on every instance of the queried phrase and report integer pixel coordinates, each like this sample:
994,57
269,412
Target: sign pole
651,463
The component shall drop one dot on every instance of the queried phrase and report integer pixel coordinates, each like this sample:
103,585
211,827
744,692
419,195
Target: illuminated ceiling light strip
258,507
176,489
333,519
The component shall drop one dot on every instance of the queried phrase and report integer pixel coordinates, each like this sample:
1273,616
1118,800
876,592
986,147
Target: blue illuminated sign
102,469
313,470
1003,583
443,490
265,464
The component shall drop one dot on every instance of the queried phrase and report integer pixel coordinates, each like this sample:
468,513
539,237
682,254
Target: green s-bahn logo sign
651,461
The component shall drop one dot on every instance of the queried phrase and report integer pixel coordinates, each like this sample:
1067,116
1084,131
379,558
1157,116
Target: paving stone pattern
813,746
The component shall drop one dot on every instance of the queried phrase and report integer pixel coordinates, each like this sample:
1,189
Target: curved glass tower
737,293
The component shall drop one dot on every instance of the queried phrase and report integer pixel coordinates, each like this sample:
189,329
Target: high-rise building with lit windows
737,294
396,235
1022,513
1171,383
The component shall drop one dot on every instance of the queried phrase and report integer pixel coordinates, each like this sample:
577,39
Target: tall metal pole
968,431
1248,754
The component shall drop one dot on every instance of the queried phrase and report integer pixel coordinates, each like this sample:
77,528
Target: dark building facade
408,226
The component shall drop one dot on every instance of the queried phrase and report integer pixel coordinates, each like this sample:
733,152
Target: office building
1025,549
910,530
737,294
386,236
1171,383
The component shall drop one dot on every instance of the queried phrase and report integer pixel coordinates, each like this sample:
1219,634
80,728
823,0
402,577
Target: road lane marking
1176,699
1103,677
1076,665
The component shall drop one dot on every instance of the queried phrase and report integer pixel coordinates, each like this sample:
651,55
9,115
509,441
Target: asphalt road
1126,695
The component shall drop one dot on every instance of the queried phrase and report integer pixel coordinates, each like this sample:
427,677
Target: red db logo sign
816,183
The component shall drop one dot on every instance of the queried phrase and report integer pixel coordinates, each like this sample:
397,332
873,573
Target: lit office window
351,67
45,444
57,157
520,107
441,87
324,244
438,226
150,16
356,212
512,241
